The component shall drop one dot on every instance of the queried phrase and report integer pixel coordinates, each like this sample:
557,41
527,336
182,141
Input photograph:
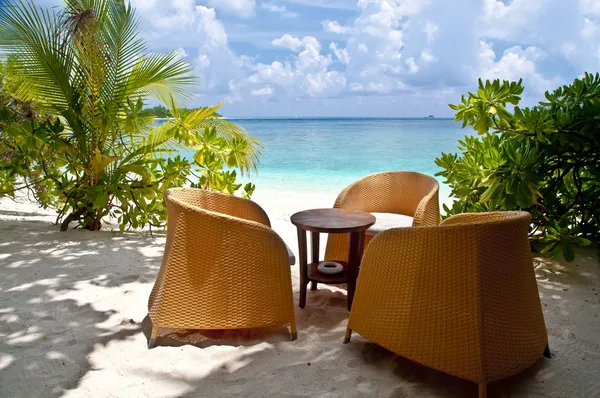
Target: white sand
73,323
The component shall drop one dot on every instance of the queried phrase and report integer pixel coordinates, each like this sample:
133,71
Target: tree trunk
72,217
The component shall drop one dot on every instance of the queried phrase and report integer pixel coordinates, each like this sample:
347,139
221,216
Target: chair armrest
466,218
427,213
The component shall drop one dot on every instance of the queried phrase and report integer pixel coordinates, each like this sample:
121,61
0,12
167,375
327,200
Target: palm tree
89,67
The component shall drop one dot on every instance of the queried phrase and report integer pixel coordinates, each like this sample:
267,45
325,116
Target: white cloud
430,30
241,8
514,64
306,75
427,57
590,6
176,15
340,53
181,53
589,28
262,92
412,66
400,49
510,21
210,28
293,43
335,27
278,9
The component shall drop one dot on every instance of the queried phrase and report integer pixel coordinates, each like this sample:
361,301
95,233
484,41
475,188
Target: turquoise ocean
324,155
327,154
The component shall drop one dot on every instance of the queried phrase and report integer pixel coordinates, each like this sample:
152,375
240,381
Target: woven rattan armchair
223,267
400,192
461,297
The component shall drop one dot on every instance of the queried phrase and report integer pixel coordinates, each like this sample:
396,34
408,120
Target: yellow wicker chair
400,192
223,267
460,297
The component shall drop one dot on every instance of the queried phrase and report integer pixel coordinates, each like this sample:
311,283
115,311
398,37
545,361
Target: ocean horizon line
325,118
333,118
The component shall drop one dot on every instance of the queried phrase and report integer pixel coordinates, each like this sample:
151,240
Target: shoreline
279,202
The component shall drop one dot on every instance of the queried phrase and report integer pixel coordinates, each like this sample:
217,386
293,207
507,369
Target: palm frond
30,34
124,46
156,75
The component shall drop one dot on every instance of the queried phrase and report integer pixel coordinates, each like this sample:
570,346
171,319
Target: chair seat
387,221
291,255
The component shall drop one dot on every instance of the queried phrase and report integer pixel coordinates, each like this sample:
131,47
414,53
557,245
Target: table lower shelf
315,275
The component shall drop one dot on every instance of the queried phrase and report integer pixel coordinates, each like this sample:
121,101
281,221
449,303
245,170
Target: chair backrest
218,202
398,192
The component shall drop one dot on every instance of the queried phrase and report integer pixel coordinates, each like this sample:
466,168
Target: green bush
162,112
544,159
98,155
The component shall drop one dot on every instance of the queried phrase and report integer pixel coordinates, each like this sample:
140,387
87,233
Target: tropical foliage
544,159
162,112
98,155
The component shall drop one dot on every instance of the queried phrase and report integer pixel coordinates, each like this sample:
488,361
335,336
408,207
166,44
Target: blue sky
370,57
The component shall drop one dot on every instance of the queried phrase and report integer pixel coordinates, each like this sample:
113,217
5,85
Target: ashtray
330,268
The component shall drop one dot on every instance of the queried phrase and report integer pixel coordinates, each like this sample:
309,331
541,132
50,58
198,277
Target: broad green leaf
101,200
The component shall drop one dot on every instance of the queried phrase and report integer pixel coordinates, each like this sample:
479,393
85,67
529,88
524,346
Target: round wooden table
330,221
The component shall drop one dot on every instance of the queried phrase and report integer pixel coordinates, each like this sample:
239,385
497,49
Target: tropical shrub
98,155
544,159
162,112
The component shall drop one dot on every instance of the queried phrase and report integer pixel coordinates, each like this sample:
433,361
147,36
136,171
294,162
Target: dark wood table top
333,220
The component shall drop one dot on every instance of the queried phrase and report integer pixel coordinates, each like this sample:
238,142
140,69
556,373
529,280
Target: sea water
327,154
324,155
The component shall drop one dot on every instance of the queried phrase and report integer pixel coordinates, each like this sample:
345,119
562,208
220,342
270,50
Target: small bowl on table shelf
330,268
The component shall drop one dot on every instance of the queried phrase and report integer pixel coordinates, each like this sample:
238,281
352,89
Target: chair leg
348,335
313,285
293,333
153,336
547,353
482,390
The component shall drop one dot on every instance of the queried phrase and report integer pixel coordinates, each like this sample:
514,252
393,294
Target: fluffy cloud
430,30
210,28
340,53
307,74
412,65
262,92
515,63
278,9
295,44
335,27
241,8
590,7
404,52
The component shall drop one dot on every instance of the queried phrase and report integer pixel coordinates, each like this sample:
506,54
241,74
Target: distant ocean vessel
430,117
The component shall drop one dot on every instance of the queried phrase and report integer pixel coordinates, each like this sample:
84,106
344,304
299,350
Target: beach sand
73,323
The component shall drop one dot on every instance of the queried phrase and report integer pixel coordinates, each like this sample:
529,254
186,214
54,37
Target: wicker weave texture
460,297
400,192
223,266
